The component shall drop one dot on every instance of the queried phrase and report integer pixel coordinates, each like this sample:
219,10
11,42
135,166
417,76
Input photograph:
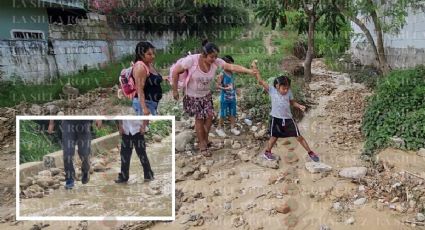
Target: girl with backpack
197,101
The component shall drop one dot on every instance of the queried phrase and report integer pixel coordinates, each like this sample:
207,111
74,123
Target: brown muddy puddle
103,197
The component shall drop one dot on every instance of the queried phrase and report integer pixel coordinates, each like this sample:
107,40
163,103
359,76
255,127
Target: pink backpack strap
144,66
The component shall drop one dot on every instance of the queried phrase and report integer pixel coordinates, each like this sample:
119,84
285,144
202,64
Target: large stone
184,138
227,143
284,208
236,145
52,109
45,173
420,217
421,152
261,161
243,155
157,138
317,167
260,134
353,172
360,201
70,91
55,171
45,182
35,109
397,142
350,221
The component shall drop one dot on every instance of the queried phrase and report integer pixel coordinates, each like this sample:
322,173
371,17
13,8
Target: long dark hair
282,80
141,49
209,48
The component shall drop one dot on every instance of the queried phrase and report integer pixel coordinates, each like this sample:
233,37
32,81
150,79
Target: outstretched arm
262,82
238,69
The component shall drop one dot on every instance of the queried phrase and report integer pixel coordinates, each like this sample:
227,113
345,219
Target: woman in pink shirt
198,99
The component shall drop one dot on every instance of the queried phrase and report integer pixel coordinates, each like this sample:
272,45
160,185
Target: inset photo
95,168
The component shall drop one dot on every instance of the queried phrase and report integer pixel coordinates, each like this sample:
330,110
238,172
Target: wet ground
103,197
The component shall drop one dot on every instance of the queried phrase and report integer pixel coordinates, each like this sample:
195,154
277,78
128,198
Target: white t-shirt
281,105
199,82
131,126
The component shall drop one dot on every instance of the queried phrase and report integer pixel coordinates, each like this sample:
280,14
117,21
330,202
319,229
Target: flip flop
206,153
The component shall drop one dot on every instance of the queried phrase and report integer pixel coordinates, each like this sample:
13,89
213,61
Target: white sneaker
235,131
220,133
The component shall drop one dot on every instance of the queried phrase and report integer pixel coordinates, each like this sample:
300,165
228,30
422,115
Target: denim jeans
152,106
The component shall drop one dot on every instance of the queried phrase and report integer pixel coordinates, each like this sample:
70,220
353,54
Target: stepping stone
317,167
353,172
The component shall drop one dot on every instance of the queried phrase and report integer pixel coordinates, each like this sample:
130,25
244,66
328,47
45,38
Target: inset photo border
98,168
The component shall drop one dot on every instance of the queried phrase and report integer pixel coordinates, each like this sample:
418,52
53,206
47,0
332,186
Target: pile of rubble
346,110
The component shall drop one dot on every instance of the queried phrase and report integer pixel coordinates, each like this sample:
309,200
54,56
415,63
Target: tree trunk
310,45
383,63
379,56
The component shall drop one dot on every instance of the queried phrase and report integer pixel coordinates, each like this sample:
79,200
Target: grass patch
396,110
35,142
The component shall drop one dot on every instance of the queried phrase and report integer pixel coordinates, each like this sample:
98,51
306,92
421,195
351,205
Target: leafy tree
386,17
275,12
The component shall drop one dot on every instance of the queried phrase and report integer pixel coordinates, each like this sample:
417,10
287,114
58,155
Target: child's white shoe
220,133
235,131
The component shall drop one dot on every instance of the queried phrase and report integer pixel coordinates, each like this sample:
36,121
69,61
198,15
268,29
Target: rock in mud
420,217
360,201
188,170
184,138
35,109
227,143
204,169
324,227
52,109
45,173
284,208
353,172
236,145
180,163
337,206
197,175
55,171
238,221
70,91
157,138
317,167
350,221
45,182
243,155
421,152
260,161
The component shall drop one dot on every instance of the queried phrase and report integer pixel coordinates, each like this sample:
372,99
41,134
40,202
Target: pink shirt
199,82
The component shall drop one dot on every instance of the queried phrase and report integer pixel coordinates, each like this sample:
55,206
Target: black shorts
283,127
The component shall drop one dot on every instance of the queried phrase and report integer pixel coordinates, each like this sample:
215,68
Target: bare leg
303,142
200,133
220,123
207,127
232,122
271,143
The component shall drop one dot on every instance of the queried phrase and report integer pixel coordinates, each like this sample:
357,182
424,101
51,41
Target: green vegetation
35,142
162,128
397,109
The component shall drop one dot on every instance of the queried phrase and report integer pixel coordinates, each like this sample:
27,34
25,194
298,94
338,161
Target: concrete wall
91,43
26,60
406,49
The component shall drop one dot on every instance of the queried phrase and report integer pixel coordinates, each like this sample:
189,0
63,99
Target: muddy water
246,201
103,197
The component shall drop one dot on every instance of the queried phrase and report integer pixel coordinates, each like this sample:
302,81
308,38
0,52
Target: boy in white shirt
132,134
